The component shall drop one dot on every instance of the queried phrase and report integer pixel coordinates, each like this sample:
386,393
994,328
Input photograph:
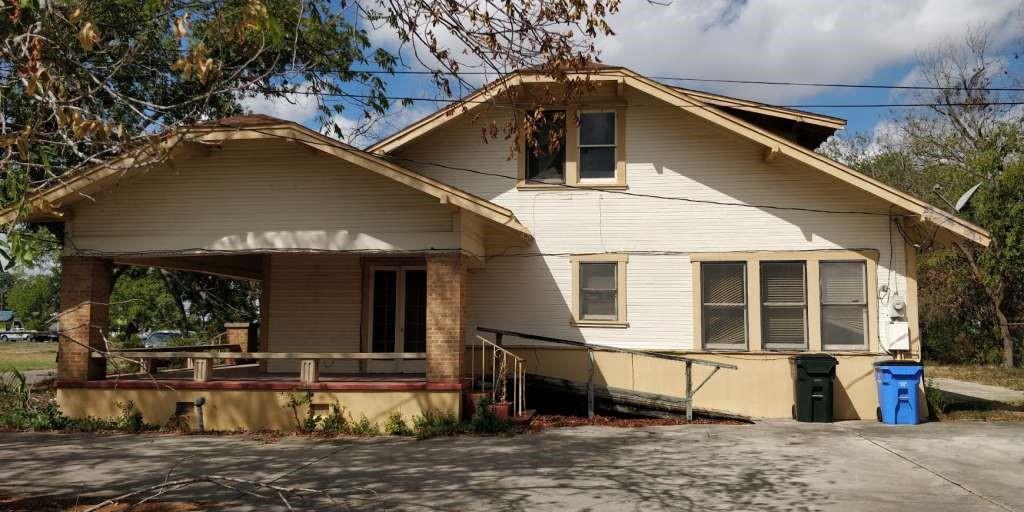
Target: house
672,220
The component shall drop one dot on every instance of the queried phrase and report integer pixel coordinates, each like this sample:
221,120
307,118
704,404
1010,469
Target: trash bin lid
899,362
815,363
814,358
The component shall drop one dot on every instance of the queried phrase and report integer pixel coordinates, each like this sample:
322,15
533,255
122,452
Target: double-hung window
844,306
597,135
724,305
599,294
545,150
784,305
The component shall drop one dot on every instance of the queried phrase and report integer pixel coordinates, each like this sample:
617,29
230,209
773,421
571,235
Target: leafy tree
968,135
85,81
141,302
33,297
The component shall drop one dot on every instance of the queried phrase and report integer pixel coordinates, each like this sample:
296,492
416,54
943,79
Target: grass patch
28,355
1012,378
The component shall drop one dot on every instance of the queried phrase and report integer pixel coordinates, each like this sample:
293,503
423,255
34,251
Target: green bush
22,411
396,426
485,421
130,419
364,427
335,422
435,424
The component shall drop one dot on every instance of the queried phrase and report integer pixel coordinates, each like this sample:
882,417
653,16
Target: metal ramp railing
688,363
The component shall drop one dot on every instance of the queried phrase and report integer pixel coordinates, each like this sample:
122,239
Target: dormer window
591,150
597,146
544,164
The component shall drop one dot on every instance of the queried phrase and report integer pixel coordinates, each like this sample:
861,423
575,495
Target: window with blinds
784,305
724,305
844,306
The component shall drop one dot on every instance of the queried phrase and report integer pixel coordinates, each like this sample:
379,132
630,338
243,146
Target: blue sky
832,41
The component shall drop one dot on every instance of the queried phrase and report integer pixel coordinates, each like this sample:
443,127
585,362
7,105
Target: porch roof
49,204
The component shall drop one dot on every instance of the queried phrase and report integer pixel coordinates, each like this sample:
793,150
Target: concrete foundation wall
253,409
762,386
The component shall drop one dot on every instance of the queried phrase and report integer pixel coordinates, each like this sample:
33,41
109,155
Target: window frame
764,305
614,145
866,306
620,261
526,153
813,259
400,270
572,151
745,308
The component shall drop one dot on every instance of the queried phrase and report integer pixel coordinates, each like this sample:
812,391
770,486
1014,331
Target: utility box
897,336
814,378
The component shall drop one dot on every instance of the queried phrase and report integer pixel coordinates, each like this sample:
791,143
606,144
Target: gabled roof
712,108
47,202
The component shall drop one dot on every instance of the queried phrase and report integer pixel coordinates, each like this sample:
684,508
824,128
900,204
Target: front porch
374,335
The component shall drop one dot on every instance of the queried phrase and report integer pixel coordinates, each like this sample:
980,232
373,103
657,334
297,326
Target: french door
398,315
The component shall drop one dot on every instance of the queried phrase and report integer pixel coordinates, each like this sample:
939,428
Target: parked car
45,336
16,333
162,338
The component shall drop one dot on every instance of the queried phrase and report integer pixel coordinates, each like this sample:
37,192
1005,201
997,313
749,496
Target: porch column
237,333
446,316
84,316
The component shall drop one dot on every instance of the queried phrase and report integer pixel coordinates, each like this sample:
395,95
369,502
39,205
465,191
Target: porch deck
249,376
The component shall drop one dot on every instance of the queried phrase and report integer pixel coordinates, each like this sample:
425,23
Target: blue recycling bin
897,391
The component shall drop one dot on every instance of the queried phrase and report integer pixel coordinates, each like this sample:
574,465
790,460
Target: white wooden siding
315,306
669,153
254,195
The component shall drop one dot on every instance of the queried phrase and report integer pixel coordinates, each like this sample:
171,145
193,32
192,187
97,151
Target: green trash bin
813,378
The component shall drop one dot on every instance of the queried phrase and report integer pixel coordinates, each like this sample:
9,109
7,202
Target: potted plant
501,406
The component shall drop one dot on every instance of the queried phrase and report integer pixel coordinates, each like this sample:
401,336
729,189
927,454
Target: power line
801,106
644,195
722,81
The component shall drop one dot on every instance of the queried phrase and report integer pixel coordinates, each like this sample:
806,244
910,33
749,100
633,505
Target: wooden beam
248,266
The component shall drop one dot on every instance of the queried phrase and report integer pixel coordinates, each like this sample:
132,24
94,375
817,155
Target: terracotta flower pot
502,410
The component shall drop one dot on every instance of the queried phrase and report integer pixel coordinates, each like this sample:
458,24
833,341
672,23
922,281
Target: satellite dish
966,198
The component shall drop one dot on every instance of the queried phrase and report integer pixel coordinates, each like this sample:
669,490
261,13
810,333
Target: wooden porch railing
309,362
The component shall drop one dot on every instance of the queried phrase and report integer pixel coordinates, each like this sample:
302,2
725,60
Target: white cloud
793,40
297,107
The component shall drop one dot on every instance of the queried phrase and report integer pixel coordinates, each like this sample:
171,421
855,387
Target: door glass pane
543,164
598,294
385,294
416,311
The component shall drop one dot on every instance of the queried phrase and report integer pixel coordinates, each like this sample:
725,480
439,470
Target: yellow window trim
813,258
620,277
572,152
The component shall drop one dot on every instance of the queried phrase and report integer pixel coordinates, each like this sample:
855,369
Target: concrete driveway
768,466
